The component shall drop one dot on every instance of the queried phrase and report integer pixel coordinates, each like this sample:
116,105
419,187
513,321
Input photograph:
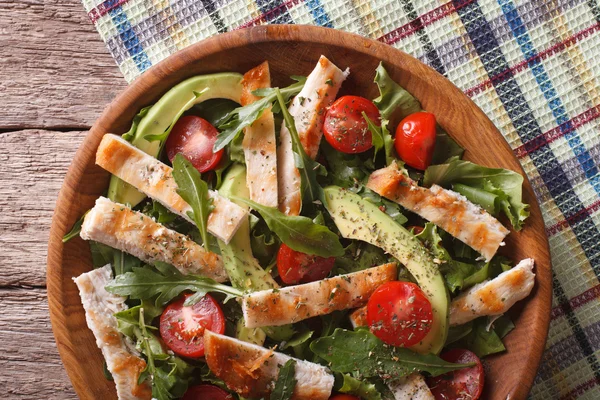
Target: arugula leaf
297,232
214,111
106,372
144,283
299,343
123,262
161,214
392,96
241,117
376,135
129,135
75,230
480,340
194,191
359,256
345,170
308,168
169,380
129,324
498,181
503,325
362,352
363,389
101,254
455,333
285,383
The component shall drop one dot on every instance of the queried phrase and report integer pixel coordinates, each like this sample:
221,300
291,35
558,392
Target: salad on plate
288,243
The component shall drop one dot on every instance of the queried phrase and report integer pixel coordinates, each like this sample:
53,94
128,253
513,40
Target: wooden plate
292,50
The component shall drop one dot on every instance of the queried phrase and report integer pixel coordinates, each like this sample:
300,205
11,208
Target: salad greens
362,364
285,383
363,389
505,185
363,353
242,117
482,338
168,283
101,254
460,274
75,230
297,232
194,191
394,99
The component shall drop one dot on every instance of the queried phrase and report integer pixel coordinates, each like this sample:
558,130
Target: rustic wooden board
55,71
510,374
33,164
30,364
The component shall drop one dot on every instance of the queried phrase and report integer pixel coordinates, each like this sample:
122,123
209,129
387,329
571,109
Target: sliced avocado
250,335
359,219
243,269
165,112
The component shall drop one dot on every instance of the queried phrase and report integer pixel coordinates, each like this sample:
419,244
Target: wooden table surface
56,76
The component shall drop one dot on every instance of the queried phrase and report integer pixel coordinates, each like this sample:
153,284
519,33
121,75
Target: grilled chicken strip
447,209
100,307
251,370
155,179
296,303
118,226
260,150
494,297
308,109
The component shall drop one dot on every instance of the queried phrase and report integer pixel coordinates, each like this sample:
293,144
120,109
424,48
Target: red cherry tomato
194,138
182,328
344,397
463,384
399,313
206,392
296,267
345,128
415,139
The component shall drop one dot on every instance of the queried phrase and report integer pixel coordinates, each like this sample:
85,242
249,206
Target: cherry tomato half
399,313
296,267
182,328
344,397
415,139
345,127
463,384
206,392
194,138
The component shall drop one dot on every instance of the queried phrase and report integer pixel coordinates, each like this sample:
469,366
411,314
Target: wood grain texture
30,364
294,50
55,71
33,164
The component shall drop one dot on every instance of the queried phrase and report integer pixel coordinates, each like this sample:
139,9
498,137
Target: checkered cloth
532,65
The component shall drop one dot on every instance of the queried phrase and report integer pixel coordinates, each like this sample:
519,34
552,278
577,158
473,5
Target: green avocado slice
166,112
359,219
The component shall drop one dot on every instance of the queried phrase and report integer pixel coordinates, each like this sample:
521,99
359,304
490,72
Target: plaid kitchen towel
532,65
